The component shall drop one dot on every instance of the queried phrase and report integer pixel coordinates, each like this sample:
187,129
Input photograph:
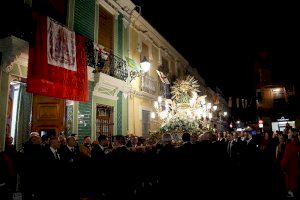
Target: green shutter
69,124
84,17
86,110
120,35
119,114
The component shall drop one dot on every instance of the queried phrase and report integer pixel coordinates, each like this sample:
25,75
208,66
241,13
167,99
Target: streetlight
145,65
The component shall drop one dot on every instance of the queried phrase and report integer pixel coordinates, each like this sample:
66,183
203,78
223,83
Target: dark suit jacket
97,153
68,156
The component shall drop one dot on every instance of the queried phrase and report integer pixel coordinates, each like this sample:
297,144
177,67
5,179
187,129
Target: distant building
274,100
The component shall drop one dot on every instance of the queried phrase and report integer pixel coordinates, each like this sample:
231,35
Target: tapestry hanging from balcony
57,62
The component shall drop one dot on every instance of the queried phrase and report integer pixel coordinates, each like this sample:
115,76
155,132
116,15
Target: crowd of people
212,165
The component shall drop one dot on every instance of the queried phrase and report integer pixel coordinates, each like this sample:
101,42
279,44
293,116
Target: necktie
56,155
229,148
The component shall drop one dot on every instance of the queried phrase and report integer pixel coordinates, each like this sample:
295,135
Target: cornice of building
149,33
14,51
124,7
138,23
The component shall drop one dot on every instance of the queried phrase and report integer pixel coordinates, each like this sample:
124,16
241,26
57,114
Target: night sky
223,40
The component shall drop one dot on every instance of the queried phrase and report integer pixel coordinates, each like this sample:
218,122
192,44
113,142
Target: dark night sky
222,40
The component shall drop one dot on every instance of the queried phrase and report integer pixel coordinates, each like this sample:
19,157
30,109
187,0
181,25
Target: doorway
18,114
48,115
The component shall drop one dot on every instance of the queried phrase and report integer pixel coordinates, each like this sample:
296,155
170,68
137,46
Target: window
148,84
145,123
164,66
106,28
145,52
259,97
172,68
104,120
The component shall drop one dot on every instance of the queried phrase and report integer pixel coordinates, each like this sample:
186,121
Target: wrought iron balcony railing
112,65
165,90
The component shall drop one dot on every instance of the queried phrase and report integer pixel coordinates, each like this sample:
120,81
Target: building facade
120,95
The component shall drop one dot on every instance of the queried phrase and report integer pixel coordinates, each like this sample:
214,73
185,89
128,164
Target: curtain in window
23,116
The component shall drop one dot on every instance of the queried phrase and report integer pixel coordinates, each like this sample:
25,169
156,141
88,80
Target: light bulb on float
215,108
163,114
203,102
145,65
189,113
192,101
198,112
195,95
155,104
152,115
159,99
209,106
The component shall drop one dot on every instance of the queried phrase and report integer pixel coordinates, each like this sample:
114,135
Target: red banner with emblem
57,62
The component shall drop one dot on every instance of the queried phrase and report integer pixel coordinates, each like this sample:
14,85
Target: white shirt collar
53,150
101,147
70,148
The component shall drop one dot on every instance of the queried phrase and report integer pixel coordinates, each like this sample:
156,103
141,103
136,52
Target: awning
133,66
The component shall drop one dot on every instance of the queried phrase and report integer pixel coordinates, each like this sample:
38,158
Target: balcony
165,90
148,84
113,65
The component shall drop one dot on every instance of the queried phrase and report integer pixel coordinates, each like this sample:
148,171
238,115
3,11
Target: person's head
87,140
103,141
119,141
186,137
54,143
34,134
71,142
194,137
235,135
166,138
62,139
8,140
220,135
283,138
75,136
290,134
230,136
35,139
45,139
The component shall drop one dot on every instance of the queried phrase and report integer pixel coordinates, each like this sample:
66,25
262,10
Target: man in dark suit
54,171
98,150
69,153
70,156
100,166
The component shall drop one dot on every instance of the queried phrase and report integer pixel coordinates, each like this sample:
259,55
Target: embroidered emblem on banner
61,50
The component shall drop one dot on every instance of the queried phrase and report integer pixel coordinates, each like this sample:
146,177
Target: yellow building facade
145,41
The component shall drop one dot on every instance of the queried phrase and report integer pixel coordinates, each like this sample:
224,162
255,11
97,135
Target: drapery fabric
23,116
57,62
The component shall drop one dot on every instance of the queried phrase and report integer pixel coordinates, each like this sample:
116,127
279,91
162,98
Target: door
48,114
104,120
145,123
